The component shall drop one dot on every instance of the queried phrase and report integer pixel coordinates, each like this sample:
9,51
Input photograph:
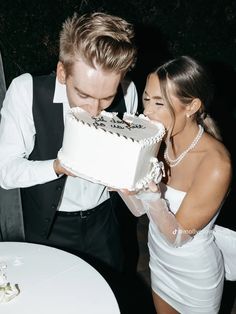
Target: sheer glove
158,212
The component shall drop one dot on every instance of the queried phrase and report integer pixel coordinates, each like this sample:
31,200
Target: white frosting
105,149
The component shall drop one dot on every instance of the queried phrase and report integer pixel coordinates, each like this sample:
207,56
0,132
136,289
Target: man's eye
82,96
146,99
159,104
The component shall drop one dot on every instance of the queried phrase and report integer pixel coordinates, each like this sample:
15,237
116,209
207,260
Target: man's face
91,89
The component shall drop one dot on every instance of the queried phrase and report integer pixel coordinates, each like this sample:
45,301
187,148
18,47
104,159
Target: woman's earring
187,115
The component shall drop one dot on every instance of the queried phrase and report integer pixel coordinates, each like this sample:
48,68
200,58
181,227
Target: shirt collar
60,95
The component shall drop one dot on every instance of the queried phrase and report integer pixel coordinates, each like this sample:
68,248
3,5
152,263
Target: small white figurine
7,291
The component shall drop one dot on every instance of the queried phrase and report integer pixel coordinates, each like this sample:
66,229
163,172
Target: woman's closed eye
146,99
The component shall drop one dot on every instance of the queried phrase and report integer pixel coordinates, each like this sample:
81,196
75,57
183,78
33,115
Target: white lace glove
132,201
166,222
158,212
134,204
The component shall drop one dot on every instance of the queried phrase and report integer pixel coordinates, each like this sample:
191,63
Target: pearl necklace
175,162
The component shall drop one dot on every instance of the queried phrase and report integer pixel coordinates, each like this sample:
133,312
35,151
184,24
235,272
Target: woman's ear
61,74
193,107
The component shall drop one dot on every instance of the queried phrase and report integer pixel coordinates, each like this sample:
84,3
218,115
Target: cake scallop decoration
119,153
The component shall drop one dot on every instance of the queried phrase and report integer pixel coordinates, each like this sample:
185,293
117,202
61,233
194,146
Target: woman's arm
198,207
200,204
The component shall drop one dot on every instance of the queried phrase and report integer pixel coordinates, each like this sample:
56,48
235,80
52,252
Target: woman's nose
147,110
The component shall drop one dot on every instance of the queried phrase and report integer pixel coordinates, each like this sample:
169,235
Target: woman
187,271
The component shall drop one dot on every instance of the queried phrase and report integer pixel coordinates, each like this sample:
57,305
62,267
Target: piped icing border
128,119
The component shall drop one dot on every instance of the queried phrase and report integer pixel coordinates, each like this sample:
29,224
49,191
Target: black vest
40,202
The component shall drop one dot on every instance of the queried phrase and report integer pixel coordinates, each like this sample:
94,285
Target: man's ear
61,74
193,107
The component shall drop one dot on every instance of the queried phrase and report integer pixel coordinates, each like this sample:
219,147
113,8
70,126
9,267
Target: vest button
58,188
47,219
53,206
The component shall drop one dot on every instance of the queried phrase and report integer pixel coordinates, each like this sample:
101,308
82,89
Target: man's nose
94,107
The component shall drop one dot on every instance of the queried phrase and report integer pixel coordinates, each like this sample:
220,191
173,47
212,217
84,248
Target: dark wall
202,28
205,29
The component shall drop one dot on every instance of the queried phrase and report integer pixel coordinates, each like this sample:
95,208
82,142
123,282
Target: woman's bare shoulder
216,161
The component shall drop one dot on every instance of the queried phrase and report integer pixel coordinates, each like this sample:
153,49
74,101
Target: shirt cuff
46,171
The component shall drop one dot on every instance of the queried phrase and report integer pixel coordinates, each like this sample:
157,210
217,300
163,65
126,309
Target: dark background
204,29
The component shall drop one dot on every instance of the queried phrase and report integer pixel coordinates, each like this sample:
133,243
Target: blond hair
100,39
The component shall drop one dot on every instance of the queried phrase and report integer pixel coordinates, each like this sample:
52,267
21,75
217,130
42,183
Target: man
96,51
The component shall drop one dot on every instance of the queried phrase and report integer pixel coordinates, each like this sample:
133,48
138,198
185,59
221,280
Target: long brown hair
190,80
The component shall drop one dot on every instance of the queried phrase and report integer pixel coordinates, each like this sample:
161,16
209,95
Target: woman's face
156,109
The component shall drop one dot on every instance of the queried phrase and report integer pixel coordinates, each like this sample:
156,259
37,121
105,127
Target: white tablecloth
53,281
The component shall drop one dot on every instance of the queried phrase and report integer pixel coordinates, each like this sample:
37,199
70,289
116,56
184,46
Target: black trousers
95,237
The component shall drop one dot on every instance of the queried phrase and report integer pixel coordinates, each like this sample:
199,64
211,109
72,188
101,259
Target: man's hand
59,170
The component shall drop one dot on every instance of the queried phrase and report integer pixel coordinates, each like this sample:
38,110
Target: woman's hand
152,187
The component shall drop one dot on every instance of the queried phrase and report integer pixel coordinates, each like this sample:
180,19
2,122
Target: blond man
96,51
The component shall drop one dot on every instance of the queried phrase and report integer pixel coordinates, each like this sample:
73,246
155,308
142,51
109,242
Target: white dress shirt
17,136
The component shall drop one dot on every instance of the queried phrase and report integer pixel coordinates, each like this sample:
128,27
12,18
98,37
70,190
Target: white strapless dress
190,278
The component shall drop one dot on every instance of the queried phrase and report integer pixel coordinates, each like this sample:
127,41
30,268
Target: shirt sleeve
17,136
130,95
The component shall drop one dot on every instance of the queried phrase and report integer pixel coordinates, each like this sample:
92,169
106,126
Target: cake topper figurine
7,291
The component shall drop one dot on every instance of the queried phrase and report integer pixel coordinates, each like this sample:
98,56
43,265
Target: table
53,281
